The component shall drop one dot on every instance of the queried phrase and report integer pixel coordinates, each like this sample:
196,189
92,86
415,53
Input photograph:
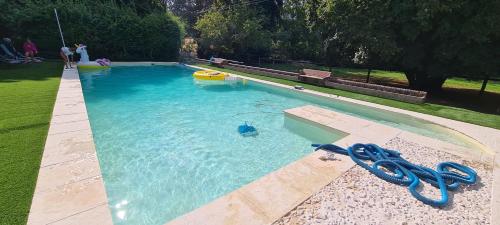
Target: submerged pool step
378,133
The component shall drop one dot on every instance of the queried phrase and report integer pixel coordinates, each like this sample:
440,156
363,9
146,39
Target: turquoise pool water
167,145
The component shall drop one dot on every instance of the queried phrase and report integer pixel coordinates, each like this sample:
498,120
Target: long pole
60,30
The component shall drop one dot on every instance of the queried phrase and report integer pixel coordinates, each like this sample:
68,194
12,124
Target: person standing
65,55
30,50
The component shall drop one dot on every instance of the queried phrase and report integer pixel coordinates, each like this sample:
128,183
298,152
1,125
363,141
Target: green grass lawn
27,96
455,113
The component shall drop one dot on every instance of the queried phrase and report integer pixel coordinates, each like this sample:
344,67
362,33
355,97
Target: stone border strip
399,94
489,137
143,63
70,188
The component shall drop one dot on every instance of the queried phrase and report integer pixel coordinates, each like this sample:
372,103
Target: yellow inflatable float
209,75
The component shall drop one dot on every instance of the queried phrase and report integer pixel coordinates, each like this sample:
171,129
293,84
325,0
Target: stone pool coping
70,188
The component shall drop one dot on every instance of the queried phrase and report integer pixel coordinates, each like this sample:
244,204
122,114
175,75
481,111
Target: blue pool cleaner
406,173
247,130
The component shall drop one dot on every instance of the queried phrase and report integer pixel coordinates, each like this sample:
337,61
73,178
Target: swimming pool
167,145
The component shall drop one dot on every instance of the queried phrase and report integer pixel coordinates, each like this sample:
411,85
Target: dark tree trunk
483,87
368,75
420,81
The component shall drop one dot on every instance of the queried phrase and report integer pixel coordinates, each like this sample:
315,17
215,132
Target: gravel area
358,197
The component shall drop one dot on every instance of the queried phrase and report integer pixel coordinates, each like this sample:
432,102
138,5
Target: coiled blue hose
406,173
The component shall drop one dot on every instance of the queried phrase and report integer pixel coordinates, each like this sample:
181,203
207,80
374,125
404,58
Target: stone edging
70,188
376,92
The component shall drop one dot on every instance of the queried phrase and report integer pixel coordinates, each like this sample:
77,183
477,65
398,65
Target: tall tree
237,33
189,11
428,40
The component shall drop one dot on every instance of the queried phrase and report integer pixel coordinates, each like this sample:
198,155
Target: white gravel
358,197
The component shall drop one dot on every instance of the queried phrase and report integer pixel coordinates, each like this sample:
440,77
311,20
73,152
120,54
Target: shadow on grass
469,99
30,71
24,127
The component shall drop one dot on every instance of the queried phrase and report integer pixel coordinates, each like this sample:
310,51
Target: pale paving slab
57,175
68,146
98,215
69,118
67,200
69,189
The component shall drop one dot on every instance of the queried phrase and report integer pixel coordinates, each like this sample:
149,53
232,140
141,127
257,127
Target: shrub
108,29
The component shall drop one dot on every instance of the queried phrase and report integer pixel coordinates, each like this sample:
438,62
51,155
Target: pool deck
70,188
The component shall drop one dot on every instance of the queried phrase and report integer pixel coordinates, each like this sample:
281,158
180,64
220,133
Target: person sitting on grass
10,50
30,50
65,55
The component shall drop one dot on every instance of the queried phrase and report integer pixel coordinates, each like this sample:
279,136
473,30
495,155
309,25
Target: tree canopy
120,30
429,41
237,33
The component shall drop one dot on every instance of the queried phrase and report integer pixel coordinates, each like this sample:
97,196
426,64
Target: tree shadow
23,127
469,99
10,73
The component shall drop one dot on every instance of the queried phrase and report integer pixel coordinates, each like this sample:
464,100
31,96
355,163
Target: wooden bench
316,77
218,62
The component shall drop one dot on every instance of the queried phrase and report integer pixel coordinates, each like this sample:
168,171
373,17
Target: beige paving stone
69,95
67,200
475,155
56,175
68,146
377,133
98,215
331,168
71,84
350,140
56,119
233,208
69,102
69,108
279,192
59,128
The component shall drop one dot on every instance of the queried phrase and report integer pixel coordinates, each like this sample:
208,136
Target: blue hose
406,173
